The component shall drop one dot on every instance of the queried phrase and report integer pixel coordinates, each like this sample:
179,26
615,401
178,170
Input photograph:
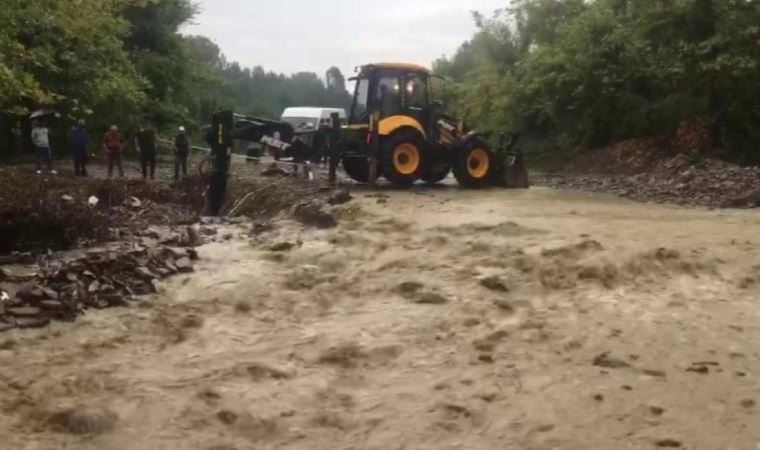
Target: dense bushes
575,73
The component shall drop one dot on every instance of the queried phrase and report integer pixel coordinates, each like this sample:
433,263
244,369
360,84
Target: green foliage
265,93
125,62
589,73
337,94
67,52
160,54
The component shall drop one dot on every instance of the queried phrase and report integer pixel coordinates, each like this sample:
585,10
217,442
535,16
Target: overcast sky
312,35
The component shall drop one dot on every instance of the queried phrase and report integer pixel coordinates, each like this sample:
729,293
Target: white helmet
181,129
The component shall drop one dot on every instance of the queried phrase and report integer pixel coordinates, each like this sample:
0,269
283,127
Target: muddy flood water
439,319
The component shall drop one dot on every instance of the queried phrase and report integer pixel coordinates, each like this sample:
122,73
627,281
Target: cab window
388,95
415,91
359,110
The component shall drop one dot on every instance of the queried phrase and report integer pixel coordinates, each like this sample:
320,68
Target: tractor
397,130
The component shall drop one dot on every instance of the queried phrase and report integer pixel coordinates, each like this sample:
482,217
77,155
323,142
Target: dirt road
442,319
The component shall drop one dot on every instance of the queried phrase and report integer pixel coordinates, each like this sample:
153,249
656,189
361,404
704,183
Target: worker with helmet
181,148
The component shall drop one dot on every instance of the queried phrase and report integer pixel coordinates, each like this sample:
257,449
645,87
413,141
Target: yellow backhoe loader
397,130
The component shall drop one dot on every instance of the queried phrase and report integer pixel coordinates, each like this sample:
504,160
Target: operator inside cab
389,100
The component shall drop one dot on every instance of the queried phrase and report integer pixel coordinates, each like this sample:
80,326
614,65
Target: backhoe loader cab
396,129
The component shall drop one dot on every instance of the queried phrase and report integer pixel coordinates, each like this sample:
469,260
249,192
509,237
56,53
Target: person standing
219,138
113,144
78,140
41,141
272,149
147,146
181,152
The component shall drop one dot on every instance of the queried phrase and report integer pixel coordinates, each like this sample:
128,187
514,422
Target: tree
125,62
163,58
583,73
67,52
337,95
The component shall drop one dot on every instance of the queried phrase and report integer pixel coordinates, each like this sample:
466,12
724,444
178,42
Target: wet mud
448,320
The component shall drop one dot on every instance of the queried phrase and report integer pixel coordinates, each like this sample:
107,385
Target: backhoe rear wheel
357,169
401,160
474,165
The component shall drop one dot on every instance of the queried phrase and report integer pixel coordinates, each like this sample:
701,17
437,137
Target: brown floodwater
434,319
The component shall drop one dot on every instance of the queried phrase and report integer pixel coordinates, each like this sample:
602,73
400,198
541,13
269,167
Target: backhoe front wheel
474,166
401,160
357,168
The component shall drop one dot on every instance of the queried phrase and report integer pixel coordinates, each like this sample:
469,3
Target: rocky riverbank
645,175
68,244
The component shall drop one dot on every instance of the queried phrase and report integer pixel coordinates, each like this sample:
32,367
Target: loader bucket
512,173
516,172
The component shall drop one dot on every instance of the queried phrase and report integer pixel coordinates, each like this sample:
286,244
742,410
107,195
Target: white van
305,119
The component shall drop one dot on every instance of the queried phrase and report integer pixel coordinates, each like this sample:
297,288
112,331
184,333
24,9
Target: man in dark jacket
146,142
78,140
181,152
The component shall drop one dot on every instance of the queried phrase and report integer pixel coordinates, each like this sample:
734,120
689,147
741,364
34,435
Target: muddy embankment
648,170
70,244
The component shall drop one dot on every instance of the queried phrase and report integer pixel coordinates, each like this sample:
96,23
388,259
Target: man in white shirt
41,141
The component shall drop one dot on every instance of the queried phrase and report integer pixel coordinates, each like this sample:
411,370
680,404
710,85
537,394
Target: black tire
474,165
402,158
436,174
357,169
